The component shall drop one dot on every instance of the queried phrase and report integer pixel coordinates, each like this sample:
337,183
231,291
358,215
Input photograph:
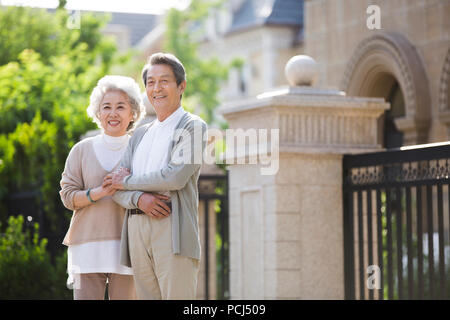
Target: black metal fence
396,223
213,191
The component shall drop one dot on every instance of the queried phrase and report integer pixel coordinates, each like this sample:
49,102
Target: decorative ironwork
399,173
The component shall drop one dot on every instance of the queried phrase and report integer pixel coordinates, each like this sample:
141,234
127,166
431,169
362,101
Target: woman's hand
81,200
101,192
115,179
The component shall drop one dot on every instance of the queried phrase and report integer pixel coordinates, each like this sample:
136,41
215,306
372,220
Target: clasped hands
115,179
151,203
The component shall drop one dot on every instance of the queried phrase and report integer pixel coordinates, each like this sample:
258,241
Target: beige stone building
406,61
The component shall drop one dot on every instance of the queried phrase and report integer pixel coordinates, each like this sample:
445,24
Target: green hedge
26,269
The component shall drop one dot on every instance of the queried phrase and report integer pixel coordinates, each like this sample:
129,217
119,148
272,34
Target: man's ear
182,87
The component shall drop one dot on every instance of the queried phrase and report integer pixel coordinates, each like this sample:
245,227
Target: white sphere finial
301,70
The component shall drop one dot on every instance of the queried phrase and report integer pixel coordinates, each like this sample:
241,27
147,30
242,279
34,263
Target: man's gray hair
112,83
168,59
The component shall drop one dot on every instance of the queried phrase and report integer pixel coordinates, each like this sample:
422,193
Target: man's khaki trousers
158,273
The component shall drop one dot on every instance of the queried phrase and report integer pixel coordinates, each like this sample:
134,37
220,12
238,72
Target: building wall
334,29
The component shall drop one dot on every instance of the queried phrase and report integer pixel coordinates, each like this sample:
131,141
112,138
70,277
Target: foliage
204,75
26,270
47,33
46,77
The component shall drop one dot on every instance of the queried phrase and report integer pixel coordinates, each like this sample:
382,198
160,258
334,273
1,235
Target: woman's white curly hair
112,83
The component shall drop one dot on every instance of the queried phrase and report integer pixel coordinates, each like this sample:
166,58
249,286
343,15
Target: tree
47,34
47,72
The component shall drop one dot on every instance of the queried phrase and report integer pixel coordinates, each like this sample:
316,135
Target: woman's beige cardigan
99,221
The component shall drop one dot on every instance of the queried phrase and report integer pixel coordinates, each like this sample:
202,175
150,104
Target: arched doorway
393,137
386,65
384,85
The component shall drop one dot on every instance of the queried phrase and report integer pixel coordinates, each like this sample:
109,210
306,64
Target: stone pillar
286,229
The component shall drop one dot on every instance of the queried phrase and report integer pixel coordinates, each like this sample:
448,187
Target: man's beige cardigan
180,177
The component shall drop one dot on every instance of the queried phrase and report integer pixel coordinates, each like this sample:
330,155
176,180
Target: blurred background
52,54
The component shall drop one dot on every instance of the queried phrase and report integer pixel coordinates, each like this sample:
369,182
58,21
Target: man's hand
115,179
153,205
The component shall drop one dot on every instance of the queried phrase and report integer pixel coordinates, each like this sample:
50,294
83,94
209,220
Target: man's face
162,89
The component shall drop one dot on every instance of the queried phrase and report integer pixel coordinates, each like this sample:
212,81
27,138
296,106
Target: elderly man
160,236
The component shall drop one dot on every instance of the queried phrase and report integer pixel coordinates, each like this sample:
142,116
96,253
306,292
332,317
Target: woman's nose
113,112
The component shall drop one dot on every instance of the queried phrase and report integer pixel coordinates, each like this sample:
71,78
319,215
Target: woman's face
115,113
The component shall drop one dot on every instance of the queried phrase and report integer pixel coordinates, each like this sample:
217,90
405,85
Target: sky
132,6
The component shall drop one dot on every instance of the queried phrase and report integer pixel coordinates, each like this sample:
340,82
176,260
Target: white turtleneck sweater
100,256
156,142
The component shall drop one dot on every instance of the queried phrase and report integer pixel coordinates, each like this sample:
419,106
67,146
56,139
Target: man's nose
157,86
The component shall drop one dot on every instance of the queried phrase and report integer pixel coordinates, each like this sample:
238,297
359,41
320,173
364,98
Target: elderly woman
93,238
